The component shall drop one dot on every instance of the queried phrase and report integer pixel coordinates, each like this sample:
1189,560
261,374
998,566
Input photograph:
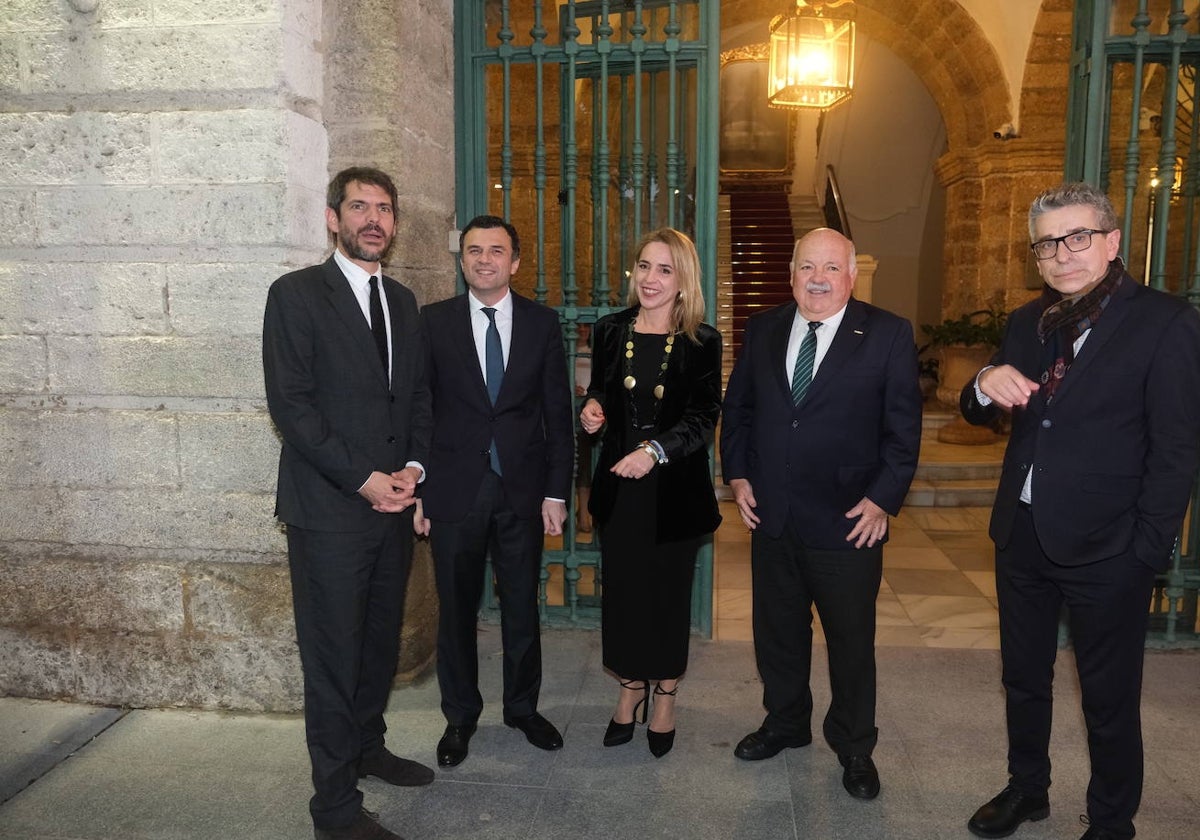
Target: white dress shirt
829,328
360,284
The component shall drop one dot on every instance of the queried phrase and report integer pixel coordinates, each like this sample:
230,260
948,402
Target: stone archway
988,180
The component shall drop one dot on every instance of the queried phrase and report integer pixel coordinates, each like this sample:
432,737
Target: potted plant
964,345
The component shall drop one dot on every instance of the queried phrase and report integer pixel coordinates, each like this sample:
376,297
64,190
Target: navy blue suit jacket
531,422
1115,452
856,433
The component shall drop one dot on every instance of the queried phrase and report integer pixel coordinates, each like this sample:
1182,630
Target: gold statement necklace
630,380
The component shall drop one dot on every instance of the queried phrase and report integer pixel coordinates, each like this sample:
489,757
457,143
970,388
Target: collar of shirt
829,328
479,325
359,280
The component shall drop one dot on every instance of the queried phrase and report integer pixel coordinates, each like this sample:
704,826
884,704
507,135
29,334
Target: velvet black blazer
687,417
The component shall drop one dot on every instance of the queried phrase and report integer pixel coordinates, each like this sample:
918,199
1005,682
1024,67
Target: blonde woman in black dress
656,393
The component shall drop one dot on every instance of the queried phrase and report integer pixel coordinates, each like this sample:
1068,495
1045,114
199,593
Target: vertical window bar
1166,158
672,30
653,180
638,46
1141,29
600,151
624,179
570,151
505,51
538,50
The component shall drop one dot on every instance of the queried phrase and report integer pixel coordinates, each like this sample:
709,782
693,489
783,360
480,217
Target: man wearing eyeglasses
1102,377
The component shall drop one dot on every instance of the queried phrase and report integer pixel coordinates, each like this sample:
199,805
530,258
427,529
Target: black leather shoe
1001,816
763,743
365,827
395,770
538,731
1095,832
452,749
860,778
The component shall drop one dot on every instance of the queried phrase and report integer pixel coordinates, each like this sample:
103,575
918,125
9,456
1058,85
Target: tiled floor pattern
938,587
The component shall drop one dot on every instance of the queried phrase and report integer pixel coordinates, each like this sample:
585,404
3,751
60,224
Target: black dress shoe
365,827
395,770
452,749
1001,816
860,778
763,743
538,731
1095,832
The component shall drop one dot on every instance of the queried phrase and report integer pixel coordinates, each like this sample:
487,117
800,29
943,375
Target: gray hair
1074,194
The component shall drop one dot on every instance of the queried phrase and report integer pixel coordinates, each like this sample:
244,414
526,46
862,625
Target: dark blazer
531,421
856,433
330,399
691,404
1115,452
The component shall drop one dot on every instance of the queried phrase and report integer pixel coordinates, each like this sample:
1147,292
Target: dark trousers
1108,604
460,552
348,596
788,580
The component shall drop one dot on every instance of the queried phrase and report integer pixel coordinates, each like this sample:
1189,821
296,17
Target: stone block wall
161,162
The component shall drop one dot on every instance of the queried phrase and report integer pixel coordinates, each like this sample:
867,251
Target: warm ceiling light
812,55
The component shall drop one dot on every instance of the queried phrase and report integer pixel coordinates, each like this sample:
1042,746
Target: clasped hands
391,493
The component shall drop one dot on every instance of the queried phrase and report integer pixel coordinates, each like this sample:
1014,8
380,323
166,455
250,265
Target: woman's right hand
591,418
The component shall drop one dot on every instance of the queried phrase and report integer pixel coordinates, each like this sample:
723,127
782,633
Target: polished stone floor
939,588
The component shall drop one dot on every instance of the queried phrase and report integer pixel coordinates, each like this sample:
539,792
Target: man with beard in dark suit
345,386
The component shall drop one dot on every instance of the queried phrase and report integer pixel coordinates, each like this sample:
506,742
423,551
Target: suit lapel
849,336
462,336
1114,314
777,341
399,326
345,305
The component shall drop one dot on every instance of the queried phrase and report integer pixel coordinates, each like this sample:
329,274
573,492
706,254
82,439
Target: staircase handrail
832,205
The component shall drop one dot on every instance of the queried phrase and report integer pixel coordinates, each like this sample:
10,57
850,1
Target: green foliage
982,327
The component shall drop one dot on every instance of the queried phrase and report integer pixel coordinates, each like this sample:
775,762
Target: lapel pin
858,332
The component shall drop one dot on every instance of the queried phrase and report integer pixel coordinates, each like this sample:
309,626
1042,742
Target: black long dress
647,585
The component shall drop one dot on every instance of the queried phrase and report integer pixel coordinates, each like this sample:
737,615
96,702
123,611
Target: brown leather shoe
365,827
395,770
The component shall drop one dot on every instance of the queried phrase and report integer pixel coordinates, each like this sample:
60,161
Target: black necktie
493,363
378,328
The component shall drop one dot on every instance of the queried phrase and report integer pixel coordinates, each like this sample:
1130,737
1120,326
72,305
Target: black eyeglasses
1080,240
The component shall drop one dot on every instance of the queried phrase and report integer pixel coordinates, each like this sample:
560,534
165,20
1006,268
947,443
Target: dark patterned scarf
1064,319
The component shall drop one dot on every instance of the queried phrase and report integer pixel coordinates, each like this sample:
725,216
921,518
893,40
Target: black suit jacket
330,398
1115,452
691,404
531,421
856,433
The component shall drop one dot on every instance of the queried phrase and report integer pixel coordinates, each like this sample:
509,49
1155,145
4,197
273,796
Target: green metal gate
587,124
1132,130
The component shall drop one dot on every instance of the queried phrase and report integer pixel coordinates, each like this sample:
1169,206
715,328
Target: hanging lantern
812,55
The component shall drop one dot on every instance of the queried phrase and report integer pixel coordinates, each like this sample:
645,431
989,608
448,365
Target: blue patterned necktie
493,362
807,354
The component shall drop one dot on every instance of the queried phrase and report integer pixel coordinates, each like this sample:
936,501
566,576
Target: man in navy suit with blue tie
819,442
500,466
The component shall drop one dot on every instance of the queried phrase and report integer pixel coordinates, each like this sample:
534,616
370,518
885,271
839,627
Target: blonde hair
688,309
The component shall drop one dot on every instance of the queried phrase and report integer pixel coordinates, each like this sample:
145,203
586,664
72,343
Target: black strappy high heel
661,742
622,733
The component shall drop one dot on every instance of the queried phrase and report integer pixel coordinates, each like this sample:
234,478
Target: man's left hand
872,523
554,514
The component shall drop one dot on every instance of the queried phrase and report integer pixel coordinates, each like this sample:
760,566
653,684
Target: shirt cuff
980,397
420,469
